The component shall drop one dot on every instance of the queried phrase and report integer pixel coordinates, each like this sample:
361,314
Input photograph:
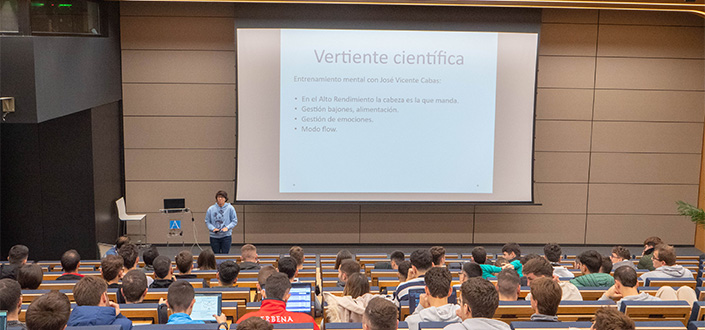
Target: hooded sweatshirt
622,263
274,311
445,313
221,217
479,323
346,308
639,297
593,279
98,315
645,262
675,271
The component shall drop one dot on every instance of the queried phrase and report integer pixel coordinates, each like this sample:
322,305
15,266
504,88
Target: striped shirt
402,291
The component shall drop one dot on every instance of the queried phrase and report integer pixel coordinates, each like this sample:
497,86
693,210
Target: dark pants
221,245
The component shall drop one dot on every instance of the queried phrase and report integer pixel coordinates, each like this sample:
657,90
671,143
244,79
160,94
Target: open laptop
414,298
174,204
301,298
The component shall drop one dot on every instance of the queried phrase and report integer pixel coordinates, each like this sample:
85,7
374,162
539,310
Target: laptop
414,298
301,298
174,204
207,305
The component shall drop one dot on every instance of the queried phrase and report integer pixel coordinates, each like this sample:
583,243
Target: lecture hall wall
619,131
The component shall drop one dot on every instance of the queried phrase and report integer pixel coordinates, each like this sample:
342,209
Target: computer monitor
174,203
301,298
206,305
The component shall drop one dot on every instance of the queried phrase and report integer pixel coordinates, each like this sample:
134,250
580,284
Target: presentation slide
385,115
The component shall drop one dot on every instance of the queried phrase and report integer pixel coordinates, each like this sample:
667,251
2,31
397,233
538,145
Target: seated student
111,268
421,262
70,261
471,269
479,256
254,323
380,314
501,262
649,245
148,257
184,262
122,240
347,268
508,285
545,298
433,305
49,312
17,257
611,319
606,266
180,299
249,258
351,305
11,301
288,266
590,262
403,270
297,253
621,257
394,259
512,252
206,260
553,253
625,288
664,259
131,259
478,301
134,286
30,276
262,276
539,268
227,274
273,309
340,257
94,306
438,255
163,273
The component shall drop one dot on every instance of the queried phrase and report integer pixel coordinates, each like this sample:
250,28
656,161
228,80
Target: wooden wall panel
645,168
297,228
651,41
185,100
180,132
573,167
649,18
183,33
529,228
210,67
158,226
639,198
405,228
564,104
562,135
635,105
633,229
179,165
568,39
569,16
647,137
553,197
566,72
649,73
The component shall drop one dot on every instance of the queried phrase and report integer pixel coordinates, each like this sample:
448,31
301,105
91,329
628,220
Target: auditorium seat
95,327
356,325
672,282
697,313
696,325
674,310
520,325
659,325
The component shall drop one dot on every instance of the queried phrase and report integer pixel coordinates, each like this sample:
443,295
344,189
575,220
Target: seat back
122,213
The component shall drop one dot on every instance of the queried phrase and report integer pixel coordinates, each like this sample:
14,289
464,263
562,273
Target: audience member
471,269
538,268
438,255
433,306
111,268
254,323
479,256
421,262
148,257
134,286
349,307
649,245
625,287
403,270
49,312
273,309
606,265
356,285
297,253
528,257
509,284
611,319
347,268
249,258
70,261
163,273
621,257
94,307
342,255
545,298
512,252
11,301
380,314
396,258
501,262
553,253
288,266
264,273
184,262
590,262
130,256
478,301
17,257
664,261
227,274
122,240
30,276
180,299
206,260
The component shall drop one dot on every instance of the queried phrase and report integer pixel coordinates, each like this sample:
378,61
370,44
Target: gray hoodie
445,313
479,324
675,271
640,297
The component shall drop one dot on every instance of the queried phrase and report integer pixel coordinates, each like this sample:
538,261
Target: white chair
122,214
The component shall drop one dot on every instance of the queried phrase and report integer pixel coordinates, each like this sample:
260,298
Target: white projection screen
385,115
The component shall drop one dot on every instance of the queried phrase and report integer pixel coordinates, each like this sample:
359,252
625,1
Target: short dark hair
149,255
276,286
120,241
381,314
180,295
30,276
437,253
70,260
472,269
264,273
512,247
133,285
529,257
254,323
591,259
228,271
10,295
288,266
88,291
653,241
481,296
438,281
507,282
666,254
606,266
206,260
627,276
162,266
111,266
18,254
547,294
129,254
612,319
403,268
184,261
297,253
342,255
51,311
539,267
356,285
222,193
622,252
421,259
349,267
479,255
553,252
397,256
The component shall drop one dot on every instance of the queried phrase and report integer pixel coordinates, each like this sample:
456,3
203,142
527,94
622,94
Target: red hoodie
274,311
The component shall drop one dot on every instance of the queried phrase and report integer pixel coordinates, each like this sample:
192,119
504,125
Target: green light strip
37,4
65,5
